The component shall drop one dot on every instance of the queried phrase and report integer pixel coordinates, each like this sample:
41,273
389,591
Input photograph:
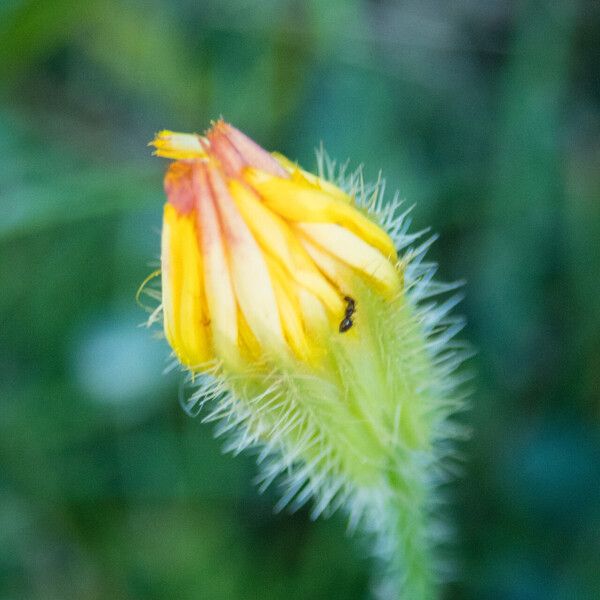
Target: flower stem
411,569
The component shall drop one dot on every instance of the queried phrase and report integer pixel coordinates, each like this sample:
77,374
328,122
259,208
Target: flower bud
258,256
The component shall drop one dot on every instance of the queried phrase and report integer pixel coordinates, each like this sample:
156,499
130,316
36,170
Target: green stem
407,529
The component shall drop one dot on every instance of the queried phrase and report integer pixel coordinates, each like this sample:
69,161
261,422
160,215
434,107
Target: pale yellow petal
178,146
250,275
334,269
355,252
314,312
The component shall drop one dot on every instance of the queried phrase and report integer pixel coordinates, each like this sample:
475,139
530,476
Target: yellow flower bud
254,251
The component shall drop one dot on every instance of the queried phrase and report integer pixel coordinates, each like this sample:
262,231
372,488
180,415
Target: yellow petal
179,146
169,273
250,348
185,315
297,202
301,176
217,278
352,250
289,309
249,272
275,236
313,312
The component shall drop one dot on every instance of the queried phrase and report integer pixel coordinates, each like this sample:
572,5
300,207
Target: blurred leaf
43,184
145,53
32,29
525,190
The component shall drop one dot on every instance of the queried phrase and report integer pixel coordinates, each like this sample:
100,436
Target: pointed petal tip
178,146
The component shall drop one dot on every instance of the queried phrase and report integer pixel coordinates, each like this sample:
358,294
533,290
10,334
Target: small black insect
350,310
345,324
350,307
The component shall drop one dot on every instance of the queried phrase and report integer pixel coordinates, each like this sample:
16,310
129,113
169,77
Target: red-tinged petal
217,278
223,150
179,187
236,151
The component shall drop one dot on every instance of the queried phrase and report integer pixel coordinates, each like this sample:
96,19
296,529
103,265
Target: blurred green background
485,113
